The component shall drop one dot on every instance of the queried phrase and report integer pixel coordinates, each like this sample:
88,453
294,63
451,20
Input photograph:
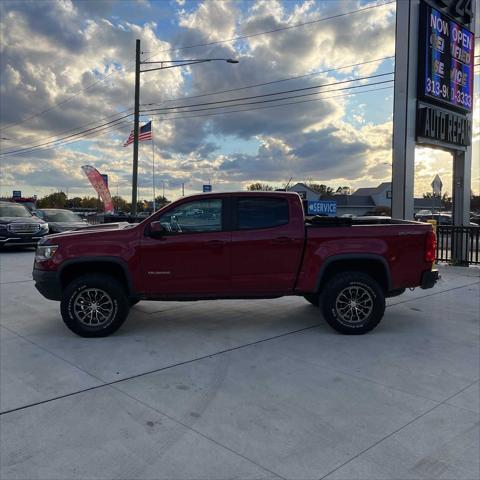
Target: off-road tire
312,298
366,296
112,308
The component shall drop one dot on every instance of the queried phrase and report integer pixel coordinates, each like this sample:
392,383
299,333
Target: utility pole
136,113
136,121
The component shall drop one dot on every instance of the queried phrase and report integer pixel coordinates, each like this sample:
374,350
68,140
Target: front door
193,257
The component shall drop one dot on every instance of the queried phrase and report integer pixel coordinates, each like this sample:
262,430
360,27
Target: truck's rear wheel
353,303
94,305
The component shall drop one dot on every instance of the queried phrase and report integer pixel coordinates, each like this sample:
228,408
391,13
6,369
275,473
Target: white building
364,200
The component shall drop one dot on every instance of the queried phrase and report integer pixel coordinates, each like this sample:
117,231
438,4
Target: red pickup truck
235,245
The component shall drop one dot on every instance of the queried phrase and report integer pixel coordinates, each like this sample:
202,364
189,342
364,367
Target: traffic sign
322,207
207,188
17,194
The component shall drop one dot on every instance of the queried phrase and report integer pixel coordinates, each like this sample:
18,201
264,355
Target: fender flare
355,256
101,259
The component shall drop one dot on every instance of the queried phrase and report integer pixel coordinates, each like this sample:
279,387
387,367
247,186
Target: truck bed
398,244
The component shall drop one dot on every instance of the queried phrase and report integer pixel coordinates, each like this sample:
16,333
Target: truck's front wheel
94,305
353,303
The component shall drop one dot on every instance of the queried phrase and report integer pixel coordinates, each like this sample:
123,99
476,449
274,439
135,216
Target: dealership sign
322,207
446,60
442,127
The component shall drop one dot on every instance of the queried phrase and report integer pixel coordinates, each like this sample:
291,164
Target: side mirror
157,230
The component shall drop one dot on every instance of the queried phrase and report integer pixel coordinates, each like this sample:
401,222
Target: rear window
261,212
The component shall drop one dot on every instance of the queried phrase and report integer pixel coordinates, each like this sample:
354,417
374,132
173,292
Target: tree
343,191
259,187
91,202
75,202
161,201
120,204
445,200
54,200
322,190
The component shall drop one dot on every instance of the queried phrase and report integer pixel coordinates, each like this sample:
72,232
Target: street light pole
136,113
136,121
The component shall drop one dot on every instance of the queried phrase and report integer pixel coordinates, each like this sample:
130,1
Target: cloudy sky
68,67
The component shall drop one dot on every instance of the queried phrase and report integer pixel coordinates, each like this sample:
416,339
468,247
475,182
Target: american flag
145,133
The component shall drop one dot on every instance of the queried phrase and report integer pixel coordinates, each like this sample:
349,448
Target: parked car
243,245
60,220
440,218
422,213
19,227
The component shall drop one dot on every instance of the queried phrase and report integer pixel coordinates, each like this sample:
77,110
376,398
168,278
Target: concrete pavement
241,389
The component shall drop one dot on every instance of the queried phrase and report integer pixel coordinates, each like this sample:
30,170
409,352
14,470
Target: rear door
267,243
193,257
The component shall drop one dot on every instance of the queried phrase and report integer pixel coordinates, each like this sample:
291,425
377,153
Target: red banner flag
100,186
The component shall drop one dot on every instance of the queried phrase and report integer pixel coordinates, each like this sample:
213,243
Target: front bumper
48,284
20,241
429,279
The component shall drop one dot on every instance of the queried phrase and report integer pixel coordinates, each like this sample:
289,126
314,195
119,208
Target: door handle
282,240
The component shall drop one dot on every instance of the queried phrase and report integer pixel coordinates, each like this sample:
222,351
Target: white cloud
48,54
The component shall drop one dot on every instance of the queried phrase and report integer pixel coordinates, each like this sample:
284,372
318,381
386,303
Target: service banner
100,186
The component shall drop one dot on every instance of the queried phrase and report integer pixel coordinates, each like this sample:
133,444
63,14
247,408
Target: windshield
61,216
14,211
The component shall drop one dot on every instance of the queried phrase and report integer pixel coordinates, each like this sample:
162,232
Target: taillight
430,247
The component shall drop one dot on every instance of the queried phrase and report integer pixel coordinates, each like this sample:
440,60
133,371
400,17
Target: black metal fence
459,245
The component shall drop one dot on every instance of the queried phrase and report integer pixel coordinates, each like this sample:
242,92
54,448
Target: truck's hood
90,231
64,226
7,220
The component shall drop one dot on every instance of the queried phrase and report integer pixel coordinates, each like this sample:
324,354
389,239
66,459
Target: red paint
283,260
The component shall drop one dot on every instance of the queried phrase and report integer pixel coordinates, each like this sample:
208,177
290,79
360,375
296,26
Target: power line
64,138
52,145
279,105
31,147
208,94
83,125
271,82
109,129
269,94
275,30
276,99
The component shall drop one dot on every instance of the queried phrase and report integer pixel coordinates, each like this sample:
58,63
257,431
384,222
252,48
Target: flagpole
153,166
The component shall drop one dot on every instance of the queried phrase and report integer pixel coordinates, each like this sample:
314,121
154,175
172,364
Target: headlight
44,227
45,252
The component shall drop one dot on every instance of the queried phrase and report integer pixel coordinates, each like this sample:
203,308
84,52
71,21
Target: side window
261,212
196,216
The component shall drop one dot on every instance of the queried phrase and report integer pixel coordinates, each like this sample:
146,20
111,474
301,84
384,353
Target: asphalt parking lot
241,389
